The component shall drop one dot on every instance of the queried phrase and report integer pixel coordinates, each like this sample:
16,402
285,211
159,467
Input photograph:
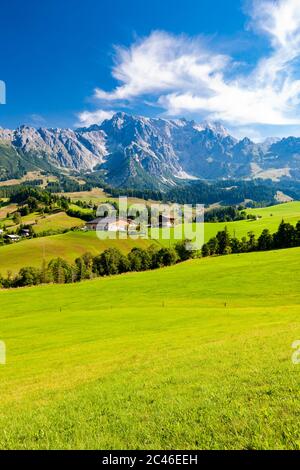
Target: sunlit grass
193,356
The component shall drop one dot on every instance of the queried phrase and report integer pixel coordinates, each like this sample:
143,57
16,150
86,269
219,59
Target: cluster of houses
109,224
105,224
112,224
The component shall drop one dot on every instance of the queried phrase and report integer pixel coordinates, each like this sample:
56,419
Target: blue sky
75,62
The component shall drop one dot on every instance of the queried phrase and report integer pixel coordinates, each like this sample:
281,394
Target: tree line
110,262
230,192
287,236
227,214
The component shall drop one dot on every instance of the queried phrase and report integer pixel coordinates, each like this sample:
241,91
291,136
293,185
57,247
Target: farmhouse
13,238
108,224
25,232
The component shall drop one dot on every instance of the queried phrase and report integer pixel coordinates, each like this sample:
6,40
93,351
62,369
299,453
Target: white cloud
278,19
161,62
182,75
88,118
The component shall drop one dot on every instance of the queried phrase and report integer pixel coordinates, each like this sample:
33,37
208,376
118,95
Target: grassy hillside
98,196
71,245
270,219
7,210
287,209
193,356
68,246
57,221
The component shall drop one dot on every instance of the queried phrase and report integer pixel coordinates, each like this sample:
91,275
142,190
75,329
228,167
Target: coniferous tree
205,250
285,236
265,241
213,246
236,245
182,250
223,239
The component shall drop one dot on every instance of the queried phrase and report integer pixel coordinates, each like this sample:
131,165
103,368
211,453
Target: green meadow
269,218
68,246
98,196
196,356
41,223
73,244
57,221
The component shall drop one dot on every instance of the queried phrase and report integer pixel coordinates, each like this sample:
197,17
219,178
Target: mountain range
140,152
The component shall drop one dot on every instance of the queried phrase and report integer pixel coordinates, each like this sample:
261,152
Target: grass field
68,246
7,210
193,356
57,221
93,196
270,219
97,196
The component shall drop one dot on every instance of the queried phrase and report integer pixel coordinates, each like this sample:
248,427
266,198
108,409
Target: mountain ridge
137,151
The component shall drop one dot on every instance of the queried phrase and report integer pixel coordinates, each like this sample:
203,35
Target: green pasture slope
73,244
58,221
270,219
193,356
68,246
41,223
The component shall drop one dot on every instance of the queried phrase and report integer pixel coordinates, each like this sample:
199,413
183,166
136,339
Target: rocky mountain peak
137,151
